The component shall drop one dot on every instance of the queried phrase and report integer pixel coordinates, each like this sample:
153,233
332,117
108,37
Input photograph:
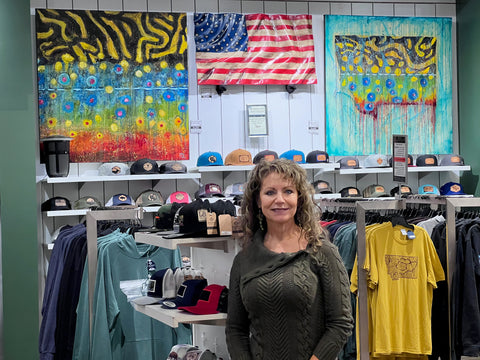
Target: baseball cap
162,284
198,354
322,187
452,160
119,200
165,215
56,203
239,157
350,191
410,160
210,158
294,155
207,302
179,197
267,155
452,188
235,189
86,202
404,190
144,166
191,220
209,190
374,191
113,169
179,351
428,189
375,160
172,167
149,198
317,156
427,160
187,295
348,162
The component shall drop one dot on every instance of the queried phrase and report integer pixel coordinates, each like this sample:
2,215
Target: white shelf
218,242
173,317
319,166
73,179
412,169
81,212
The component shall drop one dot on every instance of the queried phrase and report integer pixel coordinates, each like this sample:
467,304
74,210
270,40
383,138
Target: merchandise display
86,202
317,156
234,189
210,158
376,160
187,294
404,190
56,203
209,190
120,200
294,155
149,198
452,160
190,220
374,191
179,197
322,187
239,157
143,167
267,155
208,301
113,169
428,189
350,191
161,284
427,160
349,162
173,167
452,188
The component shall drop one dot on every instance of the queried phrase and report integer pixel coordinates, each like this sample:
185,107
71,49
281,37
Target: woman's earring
260,220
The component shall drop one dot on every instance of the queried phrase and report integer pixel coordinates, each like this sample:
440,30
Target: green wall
18,195
468,13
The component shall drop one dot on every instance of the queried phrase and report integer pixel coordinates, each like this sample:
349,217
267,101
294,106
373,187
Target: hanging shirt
401,276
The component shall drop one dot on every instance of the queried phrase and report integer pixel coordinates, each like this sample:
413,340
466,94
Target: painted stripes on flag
254,49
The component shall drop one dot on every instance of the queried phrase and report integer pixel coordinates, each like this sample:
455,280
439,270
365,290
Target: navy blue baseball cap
119,200
187,295
452,188
210,158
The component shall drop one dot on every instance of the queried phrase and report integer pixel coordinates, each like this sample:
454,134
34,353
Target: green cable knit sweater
287,306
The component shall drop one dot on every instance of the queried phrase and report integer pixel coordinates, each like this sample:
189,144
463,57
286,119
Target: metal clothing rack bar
92,218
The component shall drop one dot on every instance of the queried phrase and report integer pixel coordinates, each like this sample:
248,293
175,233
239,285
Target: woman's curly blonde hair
308,213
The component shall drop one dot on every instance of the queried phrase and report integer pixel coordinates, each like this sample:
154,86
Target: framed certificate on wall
257,122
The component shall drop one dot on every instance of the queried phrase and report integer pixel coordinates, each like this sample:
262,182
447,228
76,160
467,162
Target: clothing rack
362,206
122,213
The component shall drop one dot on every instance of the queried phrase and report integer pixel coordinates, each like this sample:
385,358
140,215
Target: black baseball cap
427,160
144,166
187,294
452,160
173,167
191,220
348,162
267,155
322,187
56,203
350,191
317,156
165,215
404,190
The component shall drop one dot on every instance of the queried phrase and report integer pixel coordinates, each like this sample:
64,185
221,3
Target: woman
289,291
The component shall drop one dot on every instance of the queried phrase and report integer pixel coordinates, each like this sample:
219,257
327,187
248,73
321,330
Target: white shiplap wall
223,117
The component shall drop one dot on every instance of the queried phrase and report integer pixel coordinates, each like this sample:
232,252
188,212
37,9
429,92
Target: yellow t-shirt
401,275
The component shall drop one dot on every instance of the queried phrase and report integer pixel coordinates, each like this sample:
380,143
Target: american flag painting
254,49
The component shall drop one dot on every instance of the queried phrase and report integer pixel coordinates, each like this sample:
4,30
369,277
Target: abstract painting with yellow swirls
116,82
387,76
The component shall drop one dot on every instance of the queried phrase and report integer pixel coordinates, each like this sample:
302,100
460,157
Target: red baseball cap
207,302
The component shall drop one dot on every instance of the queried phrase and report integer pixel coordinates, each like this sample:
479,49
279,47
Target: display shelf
78,179
318,166
173,317
218,242
412,169
81,212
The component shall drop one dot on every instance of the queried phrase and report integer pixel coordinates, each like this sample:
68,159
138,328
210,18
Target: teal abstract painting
385,76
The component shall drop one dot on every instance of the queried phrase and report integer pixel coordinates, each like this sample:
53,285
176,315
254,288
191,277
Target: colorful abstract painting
387,76
115,82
